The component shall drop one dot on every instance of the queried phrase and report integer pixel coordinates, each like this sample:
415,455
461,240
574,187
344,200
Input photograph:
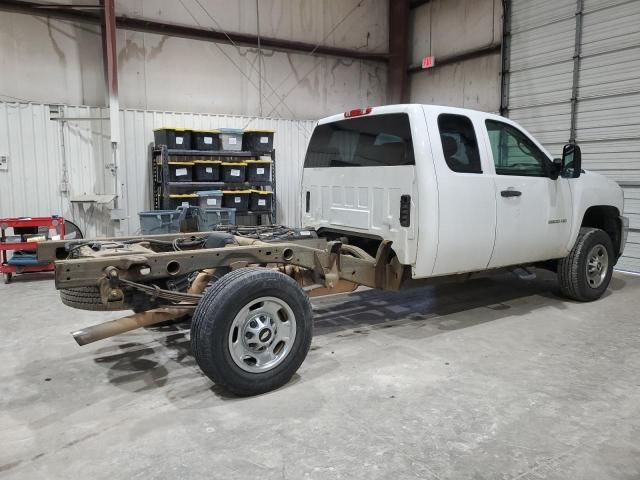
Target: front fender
592,190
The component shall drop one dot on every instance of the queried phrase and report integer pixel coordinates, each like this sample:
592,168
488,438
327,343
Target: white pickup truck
460,191
392,196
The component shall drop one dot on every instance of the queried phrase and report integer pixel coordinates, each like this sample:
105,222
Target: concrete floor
493,379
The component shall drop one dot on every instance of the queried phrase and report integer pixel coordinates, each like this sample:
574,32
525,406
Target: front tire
252,330
585,273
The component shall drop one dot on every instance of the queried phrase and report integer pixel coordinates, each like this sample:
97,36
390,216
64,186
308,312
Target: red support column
397,85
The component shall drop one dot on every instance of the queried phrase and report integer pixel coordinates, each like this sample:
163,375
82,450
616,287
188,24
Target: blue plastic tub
210,199
231,139
210,218
157,222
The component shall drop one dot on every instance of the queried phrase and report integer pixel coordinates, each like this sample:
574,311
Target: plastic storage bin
234,172
183,200
206,170
231,139
205,140
258,170
238,199
210,218
180,171
173,138
157,222
260,200
258,141
210,199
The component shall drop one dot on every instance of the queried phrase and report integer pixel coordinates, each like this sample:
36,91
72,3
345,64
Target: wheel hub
597,266
258,331
262,334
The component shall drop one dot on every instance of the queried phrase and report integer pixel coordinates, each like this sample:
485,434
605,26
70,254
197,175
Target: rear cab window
459,143
368,141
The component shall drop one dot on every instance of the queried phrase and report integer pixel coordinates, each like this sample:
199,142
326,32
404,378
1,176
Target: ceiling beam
69,12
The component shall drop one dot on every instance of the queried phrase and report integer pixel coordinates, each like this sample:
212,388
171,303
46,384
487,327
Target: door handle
510,193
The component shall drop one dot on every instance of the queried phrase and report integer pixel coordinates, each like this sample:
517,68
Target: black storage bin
234,172
206,170
180,171
260,201
173,138
258,170
182,200
205,140
238,199
257,141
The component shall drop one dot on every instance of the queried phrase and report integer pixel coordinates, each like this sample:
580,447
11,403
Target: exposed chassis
327,260
251,327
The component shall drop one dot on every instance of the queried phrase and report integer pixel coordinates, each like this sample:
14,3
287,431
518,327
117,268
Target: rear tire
585,273
252,330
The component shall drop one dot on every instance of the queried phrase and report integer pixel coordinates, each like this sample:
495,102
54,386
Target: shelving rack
7,270
162,188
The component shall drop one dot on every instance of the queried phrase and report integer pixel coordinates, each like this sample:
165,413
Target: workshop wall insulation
58,161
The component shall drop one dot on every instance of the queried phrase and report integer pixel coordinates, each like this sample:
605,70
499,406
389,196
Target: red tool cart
24,259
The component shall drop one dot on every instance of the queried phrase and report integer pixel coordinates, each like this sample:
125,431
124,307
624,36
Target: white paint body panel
467,207
459,221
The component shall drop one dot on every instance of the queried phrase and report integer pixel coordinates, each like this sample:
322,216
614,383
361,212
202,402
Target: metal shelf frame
161,189
7,270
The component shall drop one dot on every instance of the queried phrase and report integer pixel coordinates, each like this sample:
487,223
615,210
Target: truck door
533,211
466,199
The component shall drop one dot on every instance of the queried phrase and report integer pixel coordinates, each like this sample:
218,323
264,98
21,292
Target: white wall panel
445,28
469,84
180,74
34,144
32,179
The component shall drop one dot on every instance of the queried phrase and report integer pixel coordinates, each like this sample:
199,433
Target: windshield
374,141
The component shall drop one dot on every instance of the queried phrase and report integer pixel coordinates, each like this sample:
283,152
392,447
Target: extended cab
392,196
460,191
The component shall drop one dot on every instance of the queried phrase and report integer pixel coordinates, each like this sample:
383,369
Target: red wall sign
428,62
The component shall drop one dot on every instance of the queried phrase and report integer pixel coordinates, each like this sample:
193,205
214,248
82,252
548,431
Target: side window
514,153
459,143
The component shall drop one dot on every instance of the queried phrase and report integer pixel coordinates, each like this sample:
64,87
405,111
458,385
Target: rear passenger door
466,194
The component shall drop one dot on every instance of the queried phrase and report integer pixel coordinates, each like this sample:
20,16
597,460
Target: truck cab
455,190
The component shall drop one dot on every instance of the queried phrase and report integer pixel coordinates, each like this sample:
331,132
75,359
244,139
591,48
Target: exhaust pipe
126,324
142,319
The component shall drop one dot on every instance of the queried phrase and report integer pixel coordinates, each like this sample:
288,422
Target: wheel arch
607,218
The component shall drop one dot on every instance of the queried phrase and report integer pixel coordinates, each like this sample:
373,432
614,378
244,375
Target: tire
223,314
88,298
6,278
573,270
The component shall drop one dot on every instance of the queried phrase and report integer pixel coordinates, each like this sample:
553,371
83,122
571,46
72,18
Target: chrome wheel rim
597,265
262,334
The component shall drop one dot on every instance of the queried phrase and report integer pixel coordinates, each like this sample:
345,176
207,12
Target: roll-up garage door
607,116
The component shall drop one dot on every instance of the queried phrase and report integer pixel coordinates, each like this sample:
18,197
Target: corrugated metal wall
542,44
608,114
608,107
41,149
